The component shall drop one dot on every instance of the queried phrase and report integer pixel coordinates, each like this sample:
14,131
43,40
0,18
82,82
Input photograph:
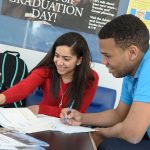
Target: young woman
64,76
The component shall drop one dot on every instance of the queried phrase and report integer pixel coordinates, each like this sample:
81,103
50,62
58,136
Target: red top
48,106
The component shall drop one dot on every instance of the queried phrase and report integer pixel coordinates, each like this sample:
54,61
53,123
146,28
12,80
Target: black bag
12,70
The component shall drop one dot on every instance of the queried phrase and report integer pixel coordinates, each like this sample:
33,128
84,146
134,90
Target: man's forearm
119,131
103,119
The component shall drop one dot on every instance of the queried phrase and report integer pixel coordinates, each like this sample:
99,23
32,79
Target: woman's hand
2,99
34,109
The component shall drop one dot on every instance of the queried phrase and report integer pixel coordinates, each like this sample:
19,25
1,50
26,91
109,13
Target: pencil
69,111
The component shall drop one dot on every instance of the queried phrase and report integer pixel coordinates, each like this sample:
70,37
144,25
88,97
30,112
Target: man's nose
104,61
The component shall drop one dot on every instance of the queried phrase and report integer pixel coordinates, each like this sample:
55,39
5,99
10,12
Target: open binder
23,120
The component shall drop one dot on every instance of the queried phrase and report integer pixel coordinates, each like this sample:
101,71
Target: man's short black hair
127,30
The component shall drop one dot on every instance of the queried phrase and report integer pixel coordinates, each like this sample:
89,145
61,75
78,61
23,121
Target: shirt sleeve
49,110
142,91
26,86
89,93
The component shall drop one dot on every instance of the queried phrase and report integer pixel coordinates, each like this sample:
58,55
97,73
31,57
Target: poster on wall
82,15
140,9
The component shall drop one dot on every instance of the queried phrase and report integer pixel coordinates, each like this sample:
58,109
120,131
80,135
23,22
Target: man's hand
74,117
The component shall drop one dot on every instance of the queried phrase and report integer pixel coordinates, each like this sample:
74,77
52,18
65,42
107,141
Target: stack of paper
23,120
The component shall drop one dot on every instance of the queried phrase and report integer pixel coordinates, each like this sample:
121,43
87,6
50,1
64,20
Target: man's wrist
83,119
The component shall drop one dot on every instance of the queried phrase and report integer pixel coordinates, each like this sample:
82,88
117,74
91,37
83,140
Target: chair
34,98
104,99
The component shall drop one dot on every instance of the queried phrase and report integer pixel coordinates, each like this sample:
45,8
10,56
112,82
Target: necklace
62,94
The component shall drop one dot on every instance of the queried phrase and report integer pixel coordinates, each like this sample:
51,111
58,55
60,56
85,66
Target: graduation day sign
81,15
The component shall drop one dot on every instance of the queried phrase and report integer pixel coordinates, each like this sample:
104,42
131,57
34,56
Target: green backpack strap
3,72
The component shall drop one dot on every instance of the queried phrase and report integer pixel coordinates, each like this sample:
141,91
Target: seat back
104,99
34,98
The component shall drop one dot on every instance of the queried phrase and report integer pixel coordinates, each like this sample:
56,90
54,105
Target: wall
33,57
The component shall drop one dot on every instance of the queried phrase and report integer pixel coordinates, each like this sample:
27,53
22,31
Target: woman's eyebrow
63,55
67,56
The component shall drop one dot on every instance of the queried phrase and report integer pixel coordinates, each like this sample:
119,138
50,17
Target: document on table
10,139
59,126
6,141
23,120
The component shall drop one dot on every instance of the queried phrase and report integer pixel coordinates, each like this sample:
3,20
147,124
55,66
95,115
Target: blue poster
35,24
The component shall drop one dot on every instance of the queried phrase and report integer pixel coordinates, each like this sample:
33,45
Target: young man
124,44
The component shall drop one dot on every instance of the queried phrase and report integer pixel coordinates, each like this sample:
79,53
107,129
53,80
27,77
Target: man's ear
133,52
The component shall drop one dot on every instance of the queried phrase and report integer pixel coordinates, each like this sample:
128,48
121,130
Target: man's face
115,59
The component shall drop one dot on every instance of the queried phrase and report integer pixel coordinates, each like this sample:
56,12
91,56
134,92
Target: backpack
12,70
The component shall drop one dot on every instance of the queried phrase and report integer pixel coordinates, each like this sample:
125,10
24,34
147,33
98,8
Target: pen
69,111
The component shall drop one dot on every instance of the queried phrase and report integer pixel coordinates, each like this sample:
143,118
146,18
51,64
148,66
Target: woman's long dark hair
82,76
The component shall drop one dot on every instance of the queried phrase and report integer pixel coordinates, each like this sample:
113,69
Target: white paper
57,125
7,141
10,139
23,120
5,147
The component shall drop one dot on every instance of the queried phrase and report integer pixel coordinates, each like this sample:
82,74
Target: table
61,141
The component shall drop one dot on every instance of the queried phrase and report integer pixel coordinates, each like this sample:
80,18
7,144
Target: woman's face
65,61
